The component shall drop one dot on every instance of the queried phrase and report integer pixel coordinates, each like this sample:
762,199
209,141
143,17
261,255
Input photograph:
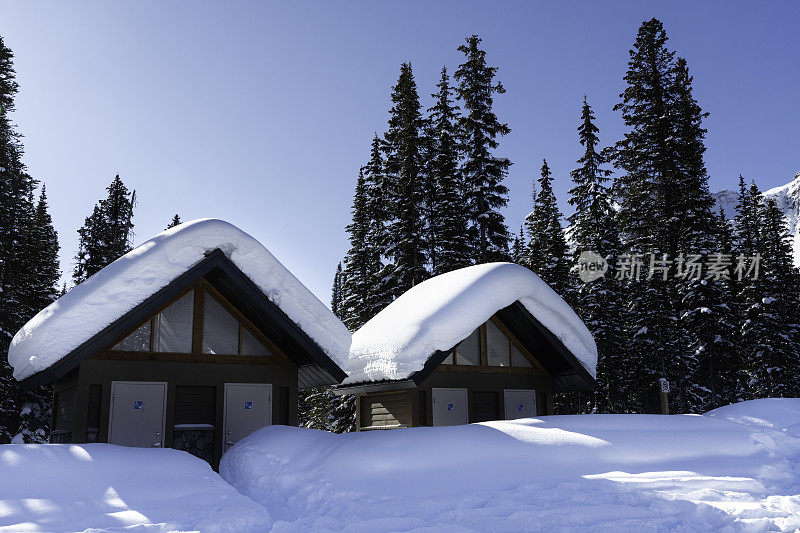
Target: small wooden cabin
196,366
506,367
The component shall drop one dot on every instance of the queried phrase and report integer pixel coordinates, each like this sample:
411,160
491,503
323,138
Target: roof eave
214,259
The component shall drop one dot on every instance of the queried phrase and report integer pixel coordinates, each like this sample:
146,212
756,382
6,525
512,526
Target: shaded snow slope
441,311
727,470
103,298
100,487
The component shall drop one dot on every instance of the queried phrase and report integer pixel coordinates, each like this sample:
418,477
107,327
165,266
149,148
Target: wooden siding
385,410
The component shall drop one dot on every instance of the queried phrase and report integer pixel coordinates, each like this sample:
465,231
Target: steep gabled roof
414,334
93,314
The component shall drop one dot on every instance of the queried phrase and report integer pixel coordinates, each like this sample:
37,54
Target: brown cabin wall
418,402
488,382
104,372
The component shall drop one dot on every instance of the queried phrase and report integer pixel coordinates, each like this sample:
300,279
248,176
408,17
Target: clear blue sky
261,114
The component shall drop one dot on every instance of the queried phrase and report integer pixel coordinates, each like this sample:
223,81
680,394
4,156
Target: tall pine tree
28,266
446,212
405,237
483,171
599,303
546,253
106,234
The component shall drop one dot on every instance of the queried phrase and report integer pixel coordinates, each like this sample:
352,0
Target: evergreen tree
771,331
483,172
362,262
176,221
45,244
518,247
666,209
645,153
592,225
336,292
405,238
746,221
106,234
446,211
25,265
599,303
40,289
546,253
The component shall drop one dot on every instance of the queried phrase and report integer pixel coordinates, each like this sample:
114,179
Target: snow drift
733,469
94,487
105,297
442,311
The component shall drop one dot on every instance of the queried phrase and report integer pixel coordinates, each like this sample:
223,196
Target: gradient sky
261,113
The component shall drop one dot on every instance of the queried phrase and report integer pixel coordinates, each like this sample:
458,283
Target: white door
449,407
520,403
248,407
137,416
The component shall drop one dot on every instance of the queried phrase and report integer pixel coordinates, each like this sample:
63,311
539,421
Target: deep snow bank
61,487
622,472
445,309
103,298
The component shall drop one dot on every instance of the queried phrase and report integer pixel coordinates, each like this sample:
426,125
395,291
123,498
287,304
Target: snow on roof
106,296
442,311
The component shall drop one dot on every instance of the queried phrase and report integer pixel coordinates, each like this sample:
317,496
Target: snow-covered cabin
192,340
485,342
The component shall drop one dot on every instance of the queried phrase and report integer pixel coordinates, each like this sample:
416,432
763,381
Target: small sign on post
664,391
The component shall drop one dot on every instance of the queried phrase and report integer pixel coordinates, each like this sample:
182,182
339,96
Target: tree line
429,199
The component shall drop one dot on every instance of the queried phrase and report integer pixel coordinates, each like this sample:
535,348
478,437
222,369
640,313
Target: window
498,349
172,330
220,329
138,341
518,358
490,345
469,351
251,345
173,333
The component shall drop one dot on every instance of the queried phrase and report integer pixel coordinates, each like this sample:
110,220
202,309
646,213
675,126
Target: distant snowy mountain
726,199
787,198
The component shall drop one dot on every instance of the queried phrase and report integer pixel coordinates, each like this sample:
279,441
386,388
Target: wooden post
664,391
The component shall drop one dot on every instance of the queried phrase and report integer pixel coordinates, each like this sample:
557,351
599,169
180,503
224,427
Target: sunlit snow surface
734,469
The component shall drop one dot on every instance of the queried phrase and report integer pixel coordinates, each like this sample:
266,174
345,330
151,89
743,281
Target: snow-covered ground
734,469
100,487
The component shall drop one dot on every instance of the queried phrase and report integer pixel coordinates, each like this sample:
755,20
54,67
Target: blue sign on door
521,407
449,406
248,406
137,405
